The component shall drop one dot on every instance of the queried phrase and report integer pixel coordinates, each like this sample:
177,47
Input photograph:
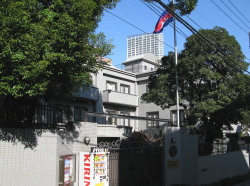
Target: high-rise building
145,43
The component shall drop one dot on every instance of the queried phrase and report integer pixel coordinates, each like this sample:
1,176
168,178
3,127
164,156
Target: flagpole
176,74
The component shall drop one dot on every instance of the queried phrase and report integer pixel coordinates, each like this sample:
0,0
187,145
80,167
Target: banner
94,167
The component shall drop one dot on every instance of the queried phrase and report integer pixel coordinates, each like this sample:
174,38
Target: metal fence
28,115
135,166
206,149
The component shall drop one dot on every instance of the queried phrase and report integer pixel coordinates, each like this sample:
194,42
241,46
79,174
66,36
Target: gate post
171,156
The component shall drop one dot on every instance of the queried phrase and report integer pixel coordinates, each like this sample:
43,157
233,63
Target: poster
94,169
69,169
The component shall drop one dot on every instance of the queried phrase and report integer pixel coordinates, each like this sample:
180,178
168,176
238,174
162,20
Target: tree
212,86
183,7
49,47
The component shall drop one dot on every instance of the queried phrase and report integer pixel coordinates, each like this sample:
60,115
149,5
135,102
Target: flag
163,21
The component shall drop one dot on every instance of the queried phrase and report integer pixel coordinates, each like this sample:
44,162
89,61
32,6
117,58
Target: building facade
145,43
120,94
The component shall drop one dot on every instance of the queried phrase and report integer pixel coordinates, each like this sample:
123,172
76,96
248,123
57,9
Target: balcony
89,93
114,131
118,98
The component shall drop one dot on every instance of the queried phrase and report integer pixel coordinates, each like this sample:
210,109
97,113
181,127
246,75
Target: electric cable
229,17
240,69
235,14
159,13
135,26
239,11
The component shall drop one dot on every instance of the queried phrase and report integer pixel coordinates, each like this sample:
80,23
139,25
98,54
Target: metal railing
28,115
206,149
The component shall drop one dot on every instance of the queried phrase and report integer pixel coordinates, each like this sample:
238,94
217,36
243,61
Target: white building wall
31,157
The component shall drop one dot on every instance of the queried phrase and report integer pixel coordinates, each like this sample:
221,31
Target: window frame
152,124
173,114
124,121
111,121
112,83
82,110
124,86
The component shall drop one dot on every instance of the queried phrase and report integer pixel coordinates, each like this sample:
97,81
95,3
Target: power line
234,14
154,9
219,44
238,11
208,42
188,26
229,16
133,25
204,17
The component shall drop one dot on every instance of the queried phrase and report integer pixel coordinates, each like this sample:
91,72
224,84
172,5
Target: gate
135,166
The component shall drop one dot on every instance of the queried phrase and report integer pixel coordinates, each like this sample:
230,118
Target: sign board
173,163
94,168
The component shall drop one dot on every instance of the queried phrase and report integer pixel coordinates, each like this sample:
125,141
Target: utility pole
176,74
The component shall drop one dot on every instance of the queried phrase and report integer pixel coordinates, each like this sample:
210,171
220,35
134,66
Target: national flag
163,21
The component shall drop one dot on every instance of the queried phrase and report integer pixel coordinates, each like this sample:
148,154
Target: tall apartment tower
145,43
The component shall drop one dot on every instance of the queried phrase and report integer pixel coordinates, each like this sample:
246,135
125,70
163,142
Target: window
152,123
147,90
62,113
124,89
145,67
111,86
174,117
111,121
79,113
124,122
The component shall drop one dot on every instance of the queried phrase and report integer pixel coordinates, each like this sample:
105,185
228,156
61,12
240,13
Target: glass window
124,122
152,123
62,113
174,117
111,86
124,89
79,113
145,67
111,121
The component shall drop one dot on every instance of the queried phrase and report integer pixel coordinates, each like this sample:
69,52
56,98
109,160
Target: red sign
86,170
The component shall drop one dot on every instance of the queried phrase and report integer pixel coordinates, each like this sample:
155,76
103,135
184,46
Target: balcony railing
119,98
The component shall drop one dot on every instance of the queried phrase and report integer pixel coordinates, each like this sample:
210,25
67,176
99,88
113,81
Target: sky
133,17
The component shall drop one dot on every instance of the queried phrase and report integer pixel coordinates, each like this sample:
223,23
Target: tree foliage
212,86
183,7
48,47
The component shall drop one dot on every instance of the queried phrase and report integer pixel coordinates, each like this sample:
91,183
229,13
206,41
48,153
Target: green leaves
48,48
210,80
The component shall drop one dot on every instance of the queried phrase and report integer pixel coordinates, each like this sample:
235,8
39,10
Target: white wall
195,170
35,161
216,167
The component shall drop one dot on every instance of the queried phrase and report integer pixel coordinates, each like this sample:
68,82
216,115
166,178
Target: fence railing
28,115
206,149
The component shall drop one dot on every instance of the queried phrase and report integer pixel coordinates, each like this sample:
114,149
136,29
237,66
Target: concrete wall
216,167
189,156
31,157
188,168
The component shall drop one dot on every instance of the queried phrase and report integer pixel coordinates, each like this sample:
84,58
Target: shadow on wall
29,137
